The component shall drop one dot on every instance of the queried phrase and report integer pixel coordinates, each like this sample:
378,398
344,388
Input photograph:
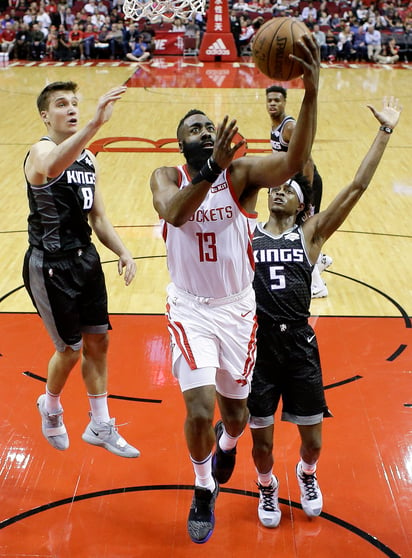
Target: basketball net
162,10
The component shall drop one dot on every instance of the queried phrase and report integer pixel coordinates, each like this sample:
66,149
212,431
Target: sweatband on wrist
209,172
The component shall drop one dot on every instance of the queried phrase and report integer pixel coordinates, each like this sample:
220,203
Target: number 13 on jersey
207,246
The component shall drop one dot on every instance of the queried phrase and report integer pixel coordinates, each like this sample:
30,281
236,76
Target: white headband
298,190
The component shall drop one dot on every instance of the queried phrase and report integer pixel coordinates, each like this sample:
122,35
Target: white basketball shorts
217,334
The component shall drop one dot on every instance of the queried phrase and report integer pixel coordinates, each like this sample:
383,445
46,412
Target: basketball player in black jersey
287,362
62,270
281,133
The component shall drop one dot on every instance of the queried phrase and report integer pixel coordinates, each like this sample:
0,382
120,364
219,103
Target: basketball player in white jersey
208,212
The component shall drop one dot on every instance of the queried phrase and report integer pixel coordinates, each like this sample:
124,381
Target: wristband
386,129
209,172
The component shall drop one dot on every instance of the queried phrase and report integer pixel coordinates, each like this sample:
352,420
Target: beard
196,155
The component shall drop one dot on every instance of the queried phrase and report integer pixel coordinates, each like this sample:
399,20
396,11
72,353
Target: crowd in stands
87,29
345,30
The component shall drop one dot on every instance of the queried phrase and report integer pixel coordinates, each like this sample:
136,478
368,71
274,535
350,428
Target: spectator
130,37
22,45
389,53
43,18
240,7
63,44
116,16
89,38
69,19
193,32
76,42
52,10
373,42
310,22
52,44
309,11
361,13
345,46
359,45
177,26
148,33
332,44
102,8
235,29
246,32
37,42
324,19
335,22
8,39
90,7
115,38
321,41
28,17
141,52
102,44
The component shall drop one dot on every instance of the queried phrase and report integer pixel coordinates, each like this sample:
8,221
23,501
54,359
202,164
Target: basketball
272,44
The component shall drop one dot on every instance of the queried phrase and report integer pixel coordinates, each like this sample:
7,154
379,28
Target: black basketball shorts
69,293
287,367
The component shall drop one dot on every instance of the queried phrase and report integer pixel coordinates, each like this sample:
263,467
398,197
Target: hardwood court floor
87,503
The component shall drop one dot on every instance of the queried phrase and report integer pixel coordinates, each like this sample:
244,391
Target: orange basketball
272,44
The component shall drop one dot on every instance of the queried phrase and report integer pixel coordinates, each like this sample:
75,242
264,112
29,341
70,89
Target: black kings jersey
283,272
276,136
58,209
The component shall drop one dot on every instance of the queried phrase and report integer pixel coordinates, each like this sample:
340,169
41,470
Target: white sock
307,467
265,479
317,281
99,408
227,442
203,472
52,402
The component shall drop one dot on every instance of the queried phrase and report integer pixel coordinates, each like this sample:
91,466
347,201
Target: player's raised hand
223,150
310,61
390,113
105,105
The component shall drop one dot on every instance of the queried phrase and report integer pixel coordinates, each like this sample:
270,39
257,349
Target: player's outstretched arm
300,145
329,220
50,160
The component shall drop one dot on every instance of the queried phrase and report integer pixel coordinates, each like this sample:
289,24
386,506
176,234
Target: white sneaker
320,291
324,262
268,509
52,426
310,494
105,435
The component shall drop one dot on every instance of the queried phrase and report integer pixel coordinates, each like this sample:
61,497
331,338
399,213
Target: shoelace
310,485
55,420
267,497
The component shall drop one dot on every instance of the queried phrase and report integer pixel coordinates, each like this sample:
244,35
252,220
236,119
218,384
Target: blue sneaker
201,520
223,462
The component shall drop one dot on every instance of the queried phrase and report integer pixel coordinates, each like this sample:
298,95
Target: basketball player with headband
287,360
281,132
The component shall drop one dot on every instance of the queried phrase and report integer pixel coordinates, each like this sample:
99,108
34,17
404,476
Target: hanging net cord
165,10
